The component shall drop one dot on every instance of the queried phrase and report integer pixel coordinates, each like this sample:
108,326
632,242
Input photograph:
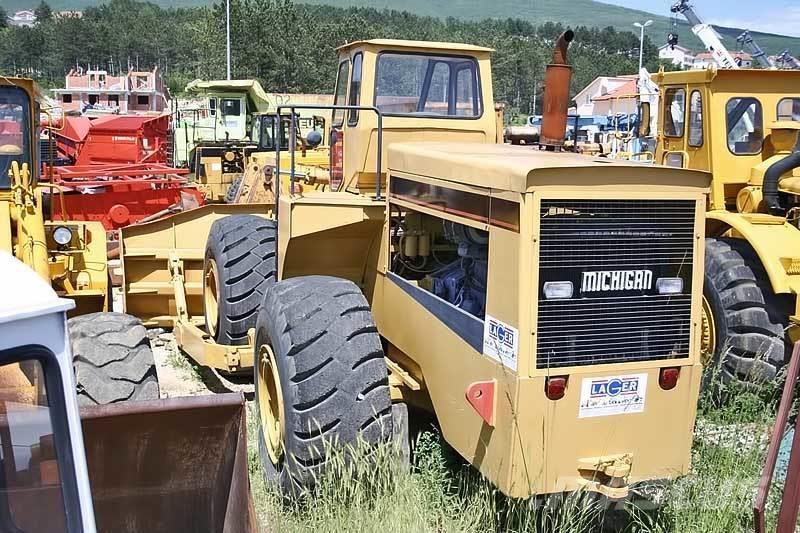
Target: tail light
555,387
337,159
668,377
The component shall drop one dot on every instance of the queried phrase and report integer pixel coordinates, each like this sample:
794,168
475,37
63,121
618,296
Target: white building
677,55
585,100
22,18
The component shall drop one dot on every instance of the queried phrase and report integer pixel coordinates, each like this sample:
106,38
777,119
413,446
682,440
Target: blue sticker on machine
501,341
612,395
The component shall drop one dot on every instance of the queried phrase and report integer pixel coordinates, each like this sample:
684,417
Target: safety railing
293,142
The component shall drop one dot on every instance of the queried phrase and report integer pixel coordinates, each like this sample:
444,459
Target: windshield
14,131
422,85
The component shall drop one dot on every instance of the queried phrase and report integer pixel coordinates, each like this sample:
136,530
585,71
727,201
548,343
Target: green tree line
290,47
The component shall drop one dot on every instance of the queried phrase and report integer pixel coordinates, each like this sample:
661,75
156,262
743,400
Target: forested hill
570,13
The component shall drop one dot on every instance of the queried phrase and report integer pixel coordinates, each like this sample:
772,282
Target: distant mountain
569,12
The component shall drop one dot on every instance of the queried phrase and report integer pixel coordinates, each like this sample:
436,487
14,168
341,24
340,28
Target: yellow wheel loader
113,359
741,126
544,306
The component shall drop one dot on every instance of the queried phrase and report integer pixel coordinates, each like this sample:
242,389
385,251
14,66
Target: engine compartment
443,257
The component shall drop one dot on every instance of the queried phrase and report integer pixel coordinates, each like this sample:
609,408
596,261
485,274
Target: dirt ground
179,376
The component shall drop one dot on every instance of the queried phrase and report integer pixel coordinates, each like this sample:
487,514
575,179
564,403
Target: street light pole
228,35
641,39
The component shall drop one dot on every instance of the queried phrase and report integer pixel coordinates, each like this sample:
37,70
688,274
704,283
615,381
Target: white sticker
612,395
501,342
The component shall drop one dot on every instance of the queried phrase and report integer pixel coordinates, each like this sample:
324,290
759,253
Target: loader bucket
178,464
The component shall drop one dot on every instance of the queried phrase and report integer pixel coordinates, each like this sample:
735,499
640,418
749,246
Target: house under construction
132,92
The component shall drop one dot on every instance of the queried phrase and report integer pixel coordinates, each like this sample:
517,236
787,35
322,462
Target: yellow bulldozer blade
178,464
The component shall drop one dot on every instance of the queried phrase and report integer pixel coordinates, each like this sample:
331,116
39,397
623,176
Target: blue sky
773,16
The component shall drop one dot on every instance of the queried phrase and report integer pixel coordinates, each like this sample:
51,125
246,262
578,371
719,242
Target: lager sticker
612,395
501,342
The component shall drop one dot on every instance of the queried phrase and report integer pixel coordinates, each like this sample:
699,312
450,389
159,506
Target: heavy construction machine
113,359
163,465
544,306
741,126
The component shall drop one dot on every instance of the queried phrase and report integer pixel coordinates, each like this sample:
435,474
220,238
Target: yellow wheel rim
211,296
270,403
708,334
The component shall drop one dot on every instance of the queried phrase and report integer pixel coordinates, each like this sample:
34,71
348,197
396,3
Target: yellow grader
742,126
545,307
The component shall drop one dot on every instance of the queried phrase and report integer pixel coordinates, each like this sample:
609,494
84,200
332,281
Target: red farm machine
115,170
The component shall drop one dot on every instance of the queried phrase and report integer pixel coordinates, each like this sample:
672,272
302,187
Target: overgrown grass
440,493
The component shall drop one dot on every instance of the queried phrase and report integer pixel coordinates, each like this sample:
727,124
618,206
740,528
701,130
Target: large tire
749,320
112,359
239,267
333,379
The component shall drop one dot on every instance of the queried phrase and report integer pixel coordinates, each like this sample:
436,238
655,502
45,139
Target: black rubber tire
751,344
333,375
243,247
112,359
233,190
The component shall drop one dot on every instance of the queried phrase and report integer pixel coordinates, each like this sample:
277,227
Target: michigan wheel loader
161,465
544,306
113,359
741,126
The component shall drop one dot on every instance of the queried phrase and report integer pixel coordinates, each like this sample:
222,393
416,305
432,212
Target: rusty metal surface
170,465
557,77
791,496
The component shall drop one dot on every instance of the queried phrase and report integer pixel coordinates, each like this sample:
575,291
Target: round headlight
62,235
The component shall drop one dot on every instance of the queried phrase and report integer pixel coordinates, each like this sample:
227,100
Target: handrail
293,142
791,497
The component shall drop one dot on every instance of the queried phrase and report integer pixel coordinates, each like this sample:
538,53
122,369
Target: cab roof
25,294
510,168
401,43
711,75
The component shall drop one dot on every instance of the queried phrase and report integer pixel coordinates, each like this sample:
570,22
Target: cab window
14,131
34,474
674,112
355,89
340,93
425,85
231,106
696,119
789,109
744,124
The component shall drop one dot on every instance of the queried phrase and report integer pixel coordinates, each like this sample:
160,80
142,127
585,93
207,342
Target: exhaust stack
557,77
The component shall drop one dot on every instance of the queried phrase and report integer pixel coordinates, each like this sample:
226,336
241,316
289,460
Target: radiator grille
614,326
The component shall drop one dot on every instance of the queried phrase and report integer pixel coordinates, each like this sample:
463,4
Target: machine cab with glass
17,133
742,125
43,475
424,91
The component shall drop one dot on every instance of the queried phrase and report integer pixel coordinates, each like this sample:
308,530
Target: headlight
555,290
669,285
62,235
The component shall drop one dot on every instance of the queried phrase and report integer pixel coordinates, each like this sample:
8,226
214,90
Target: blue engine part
463,282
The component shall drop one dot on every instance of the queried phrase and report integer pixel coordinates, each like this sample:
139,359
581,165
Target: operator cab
424,92
15,131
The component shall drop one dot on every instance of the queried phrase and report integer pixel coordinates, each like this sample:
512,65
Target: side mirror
313,139
644,119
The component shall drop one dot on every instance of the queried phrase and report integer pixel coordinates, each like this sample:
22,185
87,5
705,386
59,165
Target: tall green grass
440,493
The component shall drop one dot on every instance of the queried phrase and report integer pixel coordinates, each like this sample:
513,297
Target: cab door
673,127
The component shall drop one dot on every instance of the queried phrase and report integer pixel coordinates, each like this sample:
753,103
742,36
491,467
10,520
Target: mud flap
177,464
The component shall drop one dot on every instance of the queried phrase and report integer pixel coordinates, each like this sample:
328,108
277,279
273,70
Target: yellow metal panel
775,241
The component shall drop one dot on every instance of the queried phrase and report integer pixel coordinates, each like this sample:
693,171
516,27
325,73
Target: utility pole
641,39
228,35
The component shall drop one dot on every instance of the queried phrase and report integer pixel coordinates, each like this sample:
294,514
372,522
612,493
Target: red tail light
668,377
337,159
555,387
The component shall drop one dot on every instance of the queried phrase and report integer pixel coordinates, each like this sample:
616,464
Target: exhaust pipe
557,77
773,176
